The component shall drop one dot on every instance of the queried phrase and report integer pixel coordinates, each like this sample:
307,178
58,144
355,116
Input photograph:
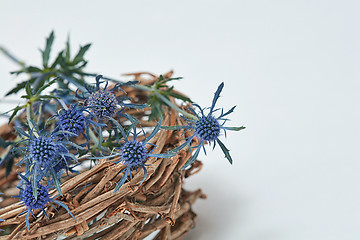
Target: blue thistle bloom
206,127
75,120
134,153
38,201
32,203
103,103
72,120
42,152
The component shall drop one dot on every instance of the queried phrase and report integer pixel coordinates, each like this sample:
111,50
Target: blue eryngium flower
40,201
206,127
72,120
103,103
75,120
32,203
134,153
43,152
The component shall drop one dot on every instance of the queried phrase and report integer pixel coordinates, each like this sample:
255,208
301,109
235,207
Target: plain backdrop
292,69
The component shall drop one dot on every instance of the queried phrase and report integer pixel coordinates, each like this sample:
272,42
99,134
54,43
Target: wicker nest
160,207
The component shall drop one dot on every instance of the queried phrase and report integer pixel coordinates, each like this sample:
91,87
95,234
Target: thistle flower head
36,198
42,150
208,128
134,153
102,103
72,120
32,203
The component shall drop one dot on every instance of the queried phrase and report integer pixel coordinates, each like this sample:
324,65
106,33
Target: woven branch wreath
104,159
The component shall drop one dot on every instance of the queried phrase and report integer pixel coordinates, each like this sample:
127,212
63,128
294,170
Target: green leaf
28,90
176,127
49,97
57,60
178,96
156,111
80,55
20,86
12,57
16,109
40,81
67,52
46,52
225,150
77,82
30,69
45,86
234,128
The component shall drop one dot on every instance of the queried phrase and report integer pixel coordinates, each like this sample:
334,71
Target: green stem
9,55
28,118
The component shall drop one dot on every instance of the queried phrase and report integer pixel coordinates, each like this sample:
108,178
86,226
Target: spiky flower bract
135,153
66,164
103,103
38,202
206,127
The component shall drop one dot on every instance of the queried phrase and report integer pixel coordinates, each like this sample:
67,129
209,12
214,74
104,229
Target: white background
291,67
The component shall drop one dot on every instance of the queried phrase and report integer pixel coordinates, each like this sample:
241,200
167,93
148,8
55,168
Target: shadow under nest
160,205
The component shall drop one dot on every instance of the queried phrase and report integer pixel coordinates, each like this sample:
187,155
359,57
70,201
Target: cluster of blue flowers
50,153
